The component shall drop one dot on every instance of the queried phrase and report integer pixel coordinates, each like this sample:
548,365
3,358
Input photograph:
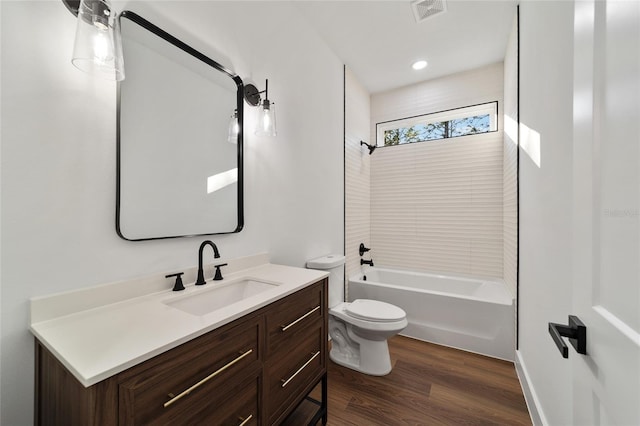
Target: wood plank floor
429,385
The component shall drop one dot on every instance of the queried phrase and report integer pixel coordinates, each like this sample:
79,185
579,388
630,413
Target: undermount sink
220,296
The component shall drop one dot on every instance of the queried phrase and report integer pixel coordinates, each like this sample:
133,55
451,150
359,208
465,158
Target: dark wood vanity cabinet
253,371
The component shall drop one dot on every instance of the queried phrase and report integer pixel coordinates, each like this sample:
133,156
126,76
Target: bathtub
475,315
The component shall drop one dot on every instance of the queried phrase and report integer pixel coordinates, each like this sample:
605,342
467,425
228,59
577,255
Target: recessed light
418,65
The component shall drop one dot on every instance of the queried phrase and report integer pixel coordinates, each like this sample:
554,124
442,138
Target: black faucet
366,262
216,254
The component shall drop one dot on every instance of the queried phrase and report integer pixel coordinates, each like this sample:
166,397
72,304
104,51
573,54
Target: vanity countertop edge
97,343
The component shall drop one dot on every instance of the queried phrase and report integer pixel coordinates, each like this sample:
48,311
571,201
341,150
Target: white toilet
359,330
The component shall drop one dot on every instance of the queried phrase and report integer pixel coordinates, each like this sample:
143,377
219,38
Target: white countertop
104,340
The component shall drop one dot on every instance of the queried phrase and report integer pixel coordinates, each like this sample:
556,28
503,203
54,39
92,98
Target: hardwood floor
429,385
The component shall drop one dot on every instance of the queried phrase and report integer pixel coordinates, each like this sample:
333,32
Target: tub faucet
216,254
366,262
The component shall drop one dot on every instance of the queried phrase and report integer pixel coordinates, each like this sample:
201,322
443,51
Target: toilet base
359,344
375,362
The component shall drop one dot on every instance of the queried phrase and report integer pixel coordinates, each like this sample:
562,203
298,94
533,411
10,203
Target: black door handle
576,331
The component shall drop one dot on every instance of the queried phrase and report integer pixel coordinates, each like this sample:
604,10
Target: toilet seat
374,310
340,311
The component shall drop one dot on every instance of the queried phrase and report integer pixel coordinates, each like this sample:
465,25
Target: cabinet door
193,378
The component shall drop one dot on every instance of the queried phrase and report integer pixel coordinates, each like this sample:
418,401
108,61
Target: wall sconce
234,128
267,122
97,49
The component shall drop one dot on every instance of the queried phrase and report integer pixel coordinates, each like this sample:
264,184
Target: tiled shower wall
438,206
357,167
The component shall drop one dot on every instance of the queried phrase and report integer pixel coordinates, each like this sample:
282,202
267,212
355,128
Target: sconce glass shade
267,120
98,48
234,128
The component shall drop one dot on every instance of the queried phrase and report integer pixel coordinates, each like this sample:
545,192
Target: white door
606,258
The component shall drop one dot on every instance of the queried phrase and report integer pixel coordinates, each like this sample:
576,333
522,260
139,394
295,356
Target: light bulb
266,120
234,128
102,50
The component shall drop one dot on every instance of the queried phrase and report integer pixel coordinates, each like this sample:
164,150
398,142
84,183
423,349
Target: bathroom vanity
252,370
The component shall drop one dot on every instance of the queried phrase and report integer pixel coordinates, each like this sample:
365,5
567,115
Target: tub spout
366,262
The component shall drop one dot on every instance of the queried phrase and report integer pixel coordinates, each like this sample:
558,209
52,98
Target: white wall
509,163
58,160
546,116
437,206
357,169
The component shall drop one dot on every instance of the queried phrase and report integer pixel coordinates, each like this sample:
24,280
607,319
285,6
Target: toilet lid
373,310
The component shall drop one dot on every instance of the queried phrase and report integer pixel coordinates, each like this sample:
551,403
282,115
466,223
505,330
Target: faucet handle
178,284
218,275
362,249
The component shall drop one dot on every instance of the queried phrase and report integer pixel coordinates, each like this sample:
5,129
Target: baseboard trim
530,396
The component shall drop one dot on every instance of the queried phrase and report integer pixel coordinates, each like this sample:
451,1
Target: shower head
371,147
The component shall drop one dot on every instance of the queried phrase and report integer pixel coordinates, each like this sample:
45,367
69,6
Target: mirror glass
178,173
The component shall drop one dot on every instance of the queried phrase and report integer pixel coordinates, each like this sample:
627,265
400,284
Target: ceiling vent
424,9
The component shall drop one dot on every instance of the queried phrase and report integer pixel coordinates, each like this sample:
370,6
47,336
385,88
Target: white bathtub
475,315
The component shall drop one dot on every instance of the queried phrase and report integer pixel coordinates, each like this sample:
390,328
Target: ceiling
379,40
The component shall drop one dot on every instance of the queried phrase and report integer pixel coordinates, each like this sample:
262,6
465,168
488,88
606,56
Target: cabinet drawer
291,318
235,406
287,376
190,377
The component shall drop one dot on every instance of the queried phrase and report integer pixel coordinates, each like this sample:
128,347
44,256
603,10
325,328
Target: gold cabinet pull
286,382
245,421
205,380
286,327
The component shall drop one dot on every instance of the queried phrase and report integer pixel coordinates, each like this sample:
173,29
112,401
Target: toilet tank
334,264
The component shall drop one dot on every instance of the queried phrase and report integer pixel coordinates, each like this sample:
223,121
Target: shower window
453,123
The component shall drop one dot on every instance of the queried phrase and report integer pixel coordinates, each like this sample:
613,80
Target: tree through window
448,124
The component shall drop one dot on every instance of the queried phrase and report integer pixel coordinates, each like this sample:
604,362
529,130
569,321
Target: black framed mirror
178,171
